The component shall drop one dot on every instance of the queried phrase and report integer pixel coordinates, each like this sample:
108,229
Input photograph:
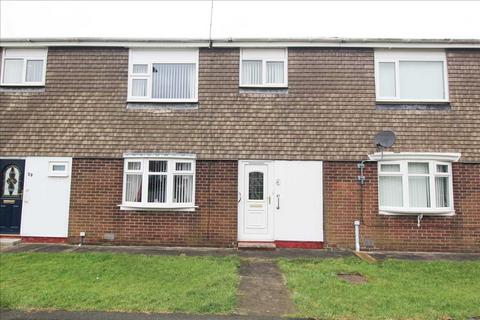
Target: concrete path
262,289
175,251
88,315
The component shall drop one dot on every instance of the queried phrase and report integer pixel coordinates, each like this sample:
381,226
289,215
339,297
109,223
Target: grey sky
240,19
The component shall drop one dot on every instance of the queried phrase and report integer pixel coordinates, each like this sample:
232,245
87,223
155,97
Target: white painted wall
299,185
46,198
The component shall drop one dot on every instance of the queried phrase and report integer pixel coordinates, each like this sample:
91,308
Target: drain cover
353,277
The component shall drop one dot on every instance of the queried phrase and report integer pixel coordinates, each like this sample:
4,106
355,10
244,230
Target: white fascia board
130,155
33,43
244,43
439,156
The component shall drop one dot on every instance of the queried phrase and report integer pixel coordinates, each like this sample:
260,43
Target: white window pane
390,168
134,165
275,72
417,168
391,191
34,71
182,188
442,192
133,189
386,80
173,81
421,80
419,191
251,72
157,188
183,166
139,87
13,69
140,68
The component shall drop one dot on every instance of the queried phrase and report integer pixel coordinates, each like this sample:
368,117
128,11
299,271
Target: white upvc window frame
395,56
402,159
265,55
58,173
171,160
25,54
151,56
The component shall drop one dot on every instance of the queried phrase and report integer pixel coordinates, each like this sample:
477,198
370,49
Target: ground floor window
417,185
159,182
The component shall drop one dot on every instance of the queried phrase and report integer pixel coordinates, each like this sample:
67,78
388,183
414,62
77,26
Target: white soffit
244,43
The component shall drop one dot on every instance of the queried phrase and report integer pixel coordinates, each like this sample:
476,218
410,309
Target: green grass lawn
118,282
395,289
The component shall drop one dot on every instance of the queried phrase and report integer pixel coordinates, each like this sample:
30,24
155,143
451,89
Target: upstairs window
411,76
263,67
163,75
159,182
23,67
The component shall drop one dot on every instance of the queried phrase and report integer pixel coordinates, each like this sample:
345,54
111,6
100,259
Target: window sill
425,212
126,207
22,88
36,84
264,90
405,105
140,100
162,105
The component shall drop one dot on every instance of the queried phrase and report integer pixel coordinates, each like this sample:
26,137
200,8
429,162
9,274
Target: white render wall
299,216
46,199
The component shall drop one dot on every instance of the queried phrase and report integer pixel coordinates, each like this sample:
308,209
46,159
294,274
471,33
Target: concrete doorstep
6,243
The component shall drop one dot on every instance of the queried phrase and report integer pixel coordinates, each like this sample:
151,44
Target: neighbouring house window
263,67
415,186
411,76
163,75
159,183
23,67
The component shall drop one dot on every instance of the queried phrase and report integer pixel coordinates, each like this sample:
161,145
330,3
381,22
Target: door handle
239,197
278,202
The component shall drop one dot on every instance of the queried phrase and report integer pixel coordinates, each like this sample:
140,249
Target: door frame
241,196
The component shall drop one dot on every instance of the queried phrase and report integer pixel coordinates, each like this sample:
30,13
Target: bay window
163,75
263,67
159,182
23,67
415,184
411,76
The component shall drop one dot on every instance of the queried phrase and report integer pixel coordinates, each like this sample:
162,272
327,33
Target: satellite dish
384,139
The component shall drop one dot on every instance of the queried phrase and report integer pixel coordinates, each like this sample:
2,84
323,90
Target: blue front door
11,194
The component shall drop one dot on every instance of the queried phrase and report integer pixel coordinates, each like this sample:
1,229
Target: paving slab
262,289
425,256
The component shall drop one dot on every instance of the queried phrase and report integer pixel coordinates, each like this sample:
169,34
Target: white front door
255,199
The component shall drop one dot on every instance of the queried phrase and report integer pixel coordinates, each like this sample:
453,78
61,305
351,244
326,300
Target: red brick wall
97,192
342,204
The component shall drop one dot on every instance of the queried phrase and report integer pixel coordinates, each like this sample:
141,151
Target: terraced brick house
228,143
